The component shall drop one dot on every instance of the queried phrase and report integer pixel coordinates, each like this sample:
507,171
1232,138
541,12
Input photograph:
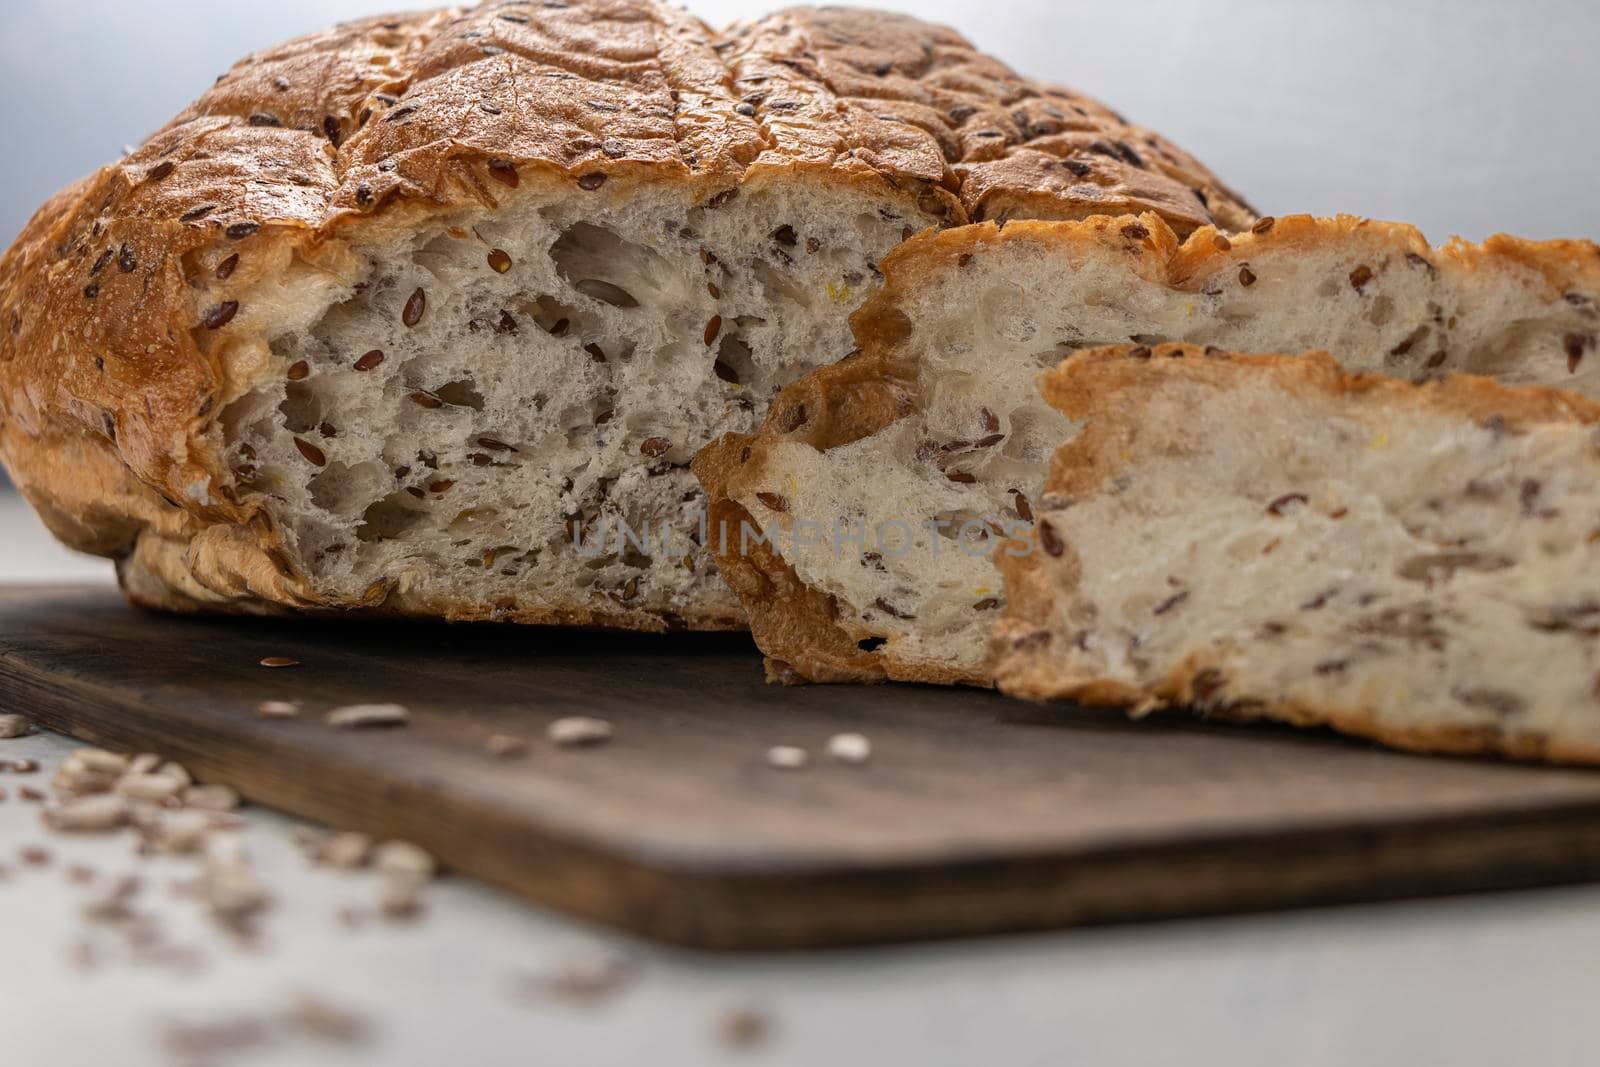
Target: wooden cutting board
976,814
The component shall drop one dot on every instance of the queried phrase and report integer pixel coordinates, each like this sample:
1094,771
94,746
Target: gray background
1468,117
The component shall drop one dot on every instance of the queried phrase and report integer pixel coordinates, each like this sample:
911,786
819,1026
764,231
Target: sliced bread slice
1273,537
879,482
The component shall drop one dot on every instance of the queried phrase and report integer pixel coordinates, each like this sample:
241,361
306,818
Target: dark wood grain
976,815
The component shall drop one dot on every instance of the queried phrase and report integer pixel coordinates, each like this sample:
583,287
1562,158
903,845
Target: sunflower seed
153,788
92,814
277,709
850,748
744,1024
403,859
579,730
505,746
14,726
346,851
211,798
787,757
355,716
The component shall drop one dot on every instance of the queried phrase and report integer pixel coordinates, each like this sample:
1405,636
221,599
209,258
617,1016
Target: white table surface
1494,980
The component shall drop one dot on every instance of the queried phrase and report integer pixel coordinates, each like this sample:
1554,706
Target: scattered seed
362,715
221,315
402,858
773,501
279,661
654,447
850,748
12,725
416,304
1221,243
277,709
325,1020
1360,277
211,797
234,893
505,746
240,230
91,814
153,788
226,268
29,793
586,978
596,353
713,327
744,1025
499,260
425,399
787,757
298,371
579,730
400,899
35,855
345,851
1247,277
591,181
1263,224
181,833
19,766
369,360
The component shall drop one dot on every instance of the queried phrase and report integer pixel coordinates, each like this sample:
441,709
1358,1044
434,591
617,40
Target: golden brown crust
1124,379
112,383
816,646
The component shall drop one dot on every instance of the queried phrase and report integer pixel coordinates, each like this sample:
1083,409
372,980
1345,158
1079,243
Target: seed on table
579,730
345,851
355,716
505,746
400,898
34,855
402,858
850,748
28,792
787,757
91,814
279,661
277,709
19,766
14,726
211,798
144,763
744,1024
148,787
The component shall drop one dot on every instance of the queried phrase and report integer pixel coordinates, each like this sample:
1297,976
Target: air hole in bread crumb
390,517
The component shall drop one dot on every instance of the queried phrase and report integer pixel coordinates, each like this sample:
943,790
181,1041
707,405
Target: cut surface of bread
427,314
936,432
1272,537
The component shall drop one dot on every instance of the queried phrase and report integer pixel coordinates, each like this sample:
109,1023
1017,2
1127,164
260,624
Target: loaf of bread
934,440
427,314
1270,537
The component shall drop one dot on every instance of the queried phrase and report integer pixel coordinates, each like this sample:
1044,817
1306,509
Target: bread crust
113,379
799,627
1118,379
